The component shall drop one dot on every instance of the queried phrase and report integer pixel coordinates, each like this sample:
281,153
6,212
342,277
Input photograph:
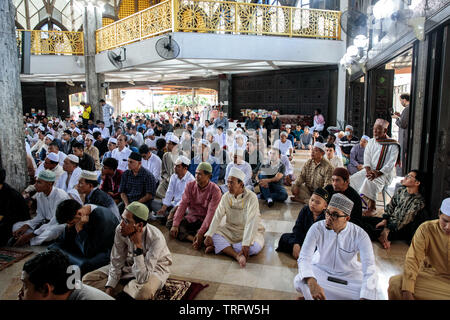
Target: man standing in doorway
108,111
402,121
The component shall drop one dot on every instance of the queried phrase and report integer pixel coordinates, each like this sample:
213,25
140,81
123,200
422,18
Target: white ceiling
176,69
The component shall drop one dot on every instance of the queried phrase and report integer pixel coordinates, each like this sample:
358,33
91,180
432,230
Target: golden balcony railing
54,42
220,17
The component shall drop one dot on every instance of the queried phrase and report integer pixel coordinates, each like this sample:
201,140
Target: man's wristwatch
138,251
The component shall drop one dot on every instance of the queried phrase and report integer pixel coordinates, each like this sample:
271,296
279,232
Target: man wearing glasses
333,271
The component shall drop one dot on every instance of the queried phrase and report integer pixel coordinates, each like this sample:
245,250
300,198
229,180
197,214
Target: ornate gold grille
220,17
55,42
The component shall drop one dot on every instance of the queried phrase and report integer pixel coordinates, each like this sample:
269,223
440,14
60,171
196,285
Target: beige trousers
162,189
145,291
429,286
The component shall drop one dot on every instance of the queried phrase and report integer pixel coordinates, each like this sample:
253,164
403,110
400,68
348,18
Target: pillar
225,95
340,112
92,20
12,138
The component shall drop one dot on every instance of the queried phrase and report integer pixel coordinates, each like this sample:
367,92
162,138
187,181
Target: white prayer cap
239,130
348,127
41,128
89,175
237,173
341,202
288,126
320,145
73,158
205,142
96,130
112,140
30,125
77,130
51,121
365,138
89,136
182,159
149,132
50,137
53,157
284,133
174,139
445,207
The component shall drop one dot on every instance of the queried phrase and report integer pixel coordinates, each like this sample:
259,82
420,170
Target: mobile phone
337,280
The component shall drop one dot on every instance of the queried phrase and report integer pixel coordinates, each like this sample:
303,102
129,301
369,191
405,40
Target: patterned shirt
403,208
315,175
137,186
346,145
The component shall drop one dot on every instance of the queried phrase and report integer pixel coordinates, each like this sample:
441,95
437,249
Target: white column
340,112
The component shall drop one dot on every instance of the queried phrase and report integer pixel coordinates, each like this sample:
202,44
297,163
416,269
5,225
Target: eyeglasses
410,177
334,215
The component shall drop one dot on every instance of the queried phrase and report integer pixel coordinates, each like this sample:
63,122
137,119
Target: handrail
220,17
55,42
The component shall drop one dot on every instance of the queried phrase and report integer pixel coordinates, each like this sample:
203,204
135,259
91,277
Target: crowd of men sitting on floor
98,191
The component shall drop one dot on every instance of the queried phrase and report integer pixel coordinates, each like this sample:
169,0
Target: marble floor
267,276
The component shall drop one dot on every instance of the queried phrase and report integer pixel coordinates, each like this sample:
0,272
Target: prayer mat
9,257
179,290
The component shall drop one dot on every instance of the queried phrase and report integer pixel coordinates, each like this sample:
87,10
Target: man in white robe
69,179
242,235
380,158
151,162
241,164
333,271
44,226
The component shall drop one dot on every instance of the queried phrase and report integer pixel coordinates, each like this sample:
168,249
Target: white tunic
105,132
176,189
283,146
245,167
121,157
287,164
153,164
45,213
336,256
359,182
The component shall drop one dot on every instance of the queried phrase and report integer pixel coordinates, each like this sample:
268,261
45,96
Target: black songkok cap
135,156
321,192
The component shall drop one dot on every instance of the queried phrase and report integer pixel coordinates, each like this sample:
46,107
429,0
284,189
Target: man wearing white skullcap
381,156
241,164
430,280
175,190
69,179
43,227
242,235
332,271
167,167
315,173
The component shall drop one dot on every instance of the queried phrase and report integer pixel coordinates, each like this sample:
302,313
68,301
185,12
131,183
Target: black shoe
270,204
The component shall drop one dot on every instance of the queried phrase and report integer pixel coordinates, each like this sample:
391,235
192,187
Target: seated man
121,153
335,161
328,266
357,156
306,139
332,140
100,143
426,274
380,158
238,162
177,185
45,277
88,235
13,208
242,235
204,155
296,133
111,177
167,166
315,173
112,144
86,162
69,179
315,211
88,187
340,183
347,143
270,179
197,207
151,162
140,258
51,163
253,157
284,145
137,183
91,150
398,220
43,227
